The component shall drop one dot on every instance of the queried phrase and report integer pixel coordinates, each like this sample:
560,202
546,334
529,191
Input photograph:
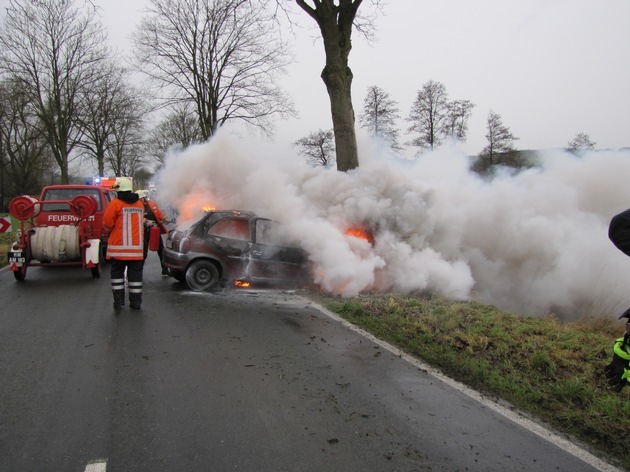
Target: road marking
514,416
99,465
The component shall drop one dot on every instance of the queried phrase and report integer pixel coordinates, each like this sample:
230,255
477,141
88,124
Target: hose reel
83,206
24,207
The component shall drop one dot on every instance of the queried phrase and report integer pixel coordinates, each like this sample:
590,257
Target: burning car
234,247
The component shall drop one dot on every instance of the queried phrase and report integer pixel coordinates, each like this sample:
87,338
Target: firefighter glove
617,371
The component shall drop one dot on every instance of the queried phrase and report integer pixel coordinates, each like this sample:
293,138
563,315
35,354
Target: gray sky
550,68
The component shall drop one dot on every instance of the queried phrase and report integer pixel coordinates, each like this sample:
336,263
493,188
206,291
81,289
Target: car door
272,259
229,240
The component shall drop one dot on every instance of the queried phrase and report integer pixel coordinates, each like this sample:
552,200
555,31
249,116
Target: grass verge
5,239
550,369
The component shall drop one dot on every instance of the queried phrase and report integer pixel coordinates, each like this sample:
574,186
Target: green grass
547,368
4,248
5,241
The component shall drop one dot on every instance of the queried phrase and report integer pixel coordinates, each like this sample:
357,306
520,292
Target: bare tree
499,136
500,149
125,153
581,142
26,156
221,56
457,114
3,155
428,115
53,48
379,116
335,21
107,106
178,129
318,147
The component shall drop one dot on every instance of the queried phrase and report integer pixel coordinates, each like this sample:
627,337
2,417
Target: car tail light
184,245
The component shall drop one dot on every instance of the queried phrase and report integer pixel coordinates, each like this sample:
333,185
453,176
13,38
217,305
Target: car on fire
234,248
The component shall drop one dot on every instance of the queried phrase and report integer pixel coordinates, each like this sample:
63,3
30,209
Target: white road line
99,465
514,416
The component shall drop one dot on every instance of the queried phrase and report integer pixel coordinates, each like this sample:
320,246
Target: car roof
245,214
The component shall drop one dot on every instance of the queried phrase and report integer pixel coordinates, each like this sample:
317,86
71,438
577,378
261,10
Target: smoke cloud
532,243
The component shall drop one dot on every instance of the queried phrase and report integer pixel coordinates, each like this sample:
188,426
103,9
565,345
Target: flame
360,233
241,283
193,204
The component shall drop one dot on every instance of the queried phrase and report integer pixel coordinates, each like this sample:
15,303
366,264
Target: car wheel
202,275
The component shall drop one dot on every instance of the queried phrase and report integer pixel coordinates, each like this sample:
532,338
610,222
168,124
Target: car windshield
67,194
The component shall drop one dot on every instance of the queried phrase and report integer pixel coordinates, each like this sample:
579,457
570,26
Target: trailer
64,234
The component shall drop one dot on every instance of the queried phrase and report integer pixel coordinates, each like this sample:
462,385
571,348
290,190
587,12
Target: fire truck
105,182
64,226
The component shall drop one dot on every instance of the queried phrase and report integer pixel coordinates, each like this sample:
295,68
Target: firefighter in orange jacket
153,216
123,221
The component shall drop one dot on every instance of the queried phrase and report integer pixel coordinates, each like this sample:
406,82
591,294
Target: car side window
267,232
233,228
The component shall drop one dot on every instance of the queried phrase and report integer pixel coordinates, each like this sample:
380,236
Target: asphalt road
241,380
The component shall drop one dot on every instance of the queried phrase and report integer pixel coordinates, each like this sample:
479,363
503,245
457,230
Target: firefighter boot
119,299
135,300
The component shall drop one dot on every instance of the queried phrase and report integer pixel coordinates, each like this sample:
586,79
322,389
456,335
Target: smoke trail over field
531,243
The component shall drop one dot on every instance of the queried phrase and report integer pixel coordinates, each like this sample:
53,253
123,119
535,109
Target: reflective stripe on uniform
118,284
126,242
135,287
124,254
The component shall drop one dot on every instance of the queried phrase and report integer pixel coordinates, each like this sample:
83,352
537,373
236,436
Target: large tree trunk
335,23
338,83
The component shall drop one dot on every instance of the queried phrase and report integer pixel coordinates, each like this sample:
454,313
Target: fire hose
55,243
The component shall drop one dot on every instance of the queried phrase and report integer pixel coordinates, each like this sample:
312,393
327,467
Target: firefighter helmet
123,184
142,193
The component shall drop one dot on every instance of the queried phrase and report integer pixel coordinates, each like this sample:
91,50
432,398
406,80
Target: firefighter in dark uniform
153,216
123,221
618,371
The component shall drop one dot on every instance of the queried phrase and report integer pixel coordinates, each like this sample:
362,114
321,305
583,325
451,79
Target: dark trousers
134,281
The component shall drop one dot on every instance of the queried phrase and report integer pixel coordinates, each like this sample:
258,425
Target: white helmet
142,193
123,184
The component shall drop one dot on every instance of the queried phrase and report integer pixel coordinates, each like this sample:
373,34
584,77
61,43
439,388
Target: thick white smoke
532,243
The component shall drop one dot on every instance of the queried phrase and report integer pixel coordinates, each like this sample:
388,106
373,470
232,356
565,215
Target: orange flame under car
360,233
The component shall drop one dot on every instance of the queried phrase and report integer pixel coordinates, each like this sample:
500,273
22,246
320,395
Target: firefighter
618,371
123,221
153,216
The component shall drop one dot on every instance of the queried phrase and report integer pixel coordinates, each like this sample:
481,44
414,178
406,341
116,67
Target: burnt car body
227,247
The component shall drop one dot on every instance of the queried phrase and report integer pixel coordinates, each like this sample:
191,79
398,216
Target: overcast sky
550,68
